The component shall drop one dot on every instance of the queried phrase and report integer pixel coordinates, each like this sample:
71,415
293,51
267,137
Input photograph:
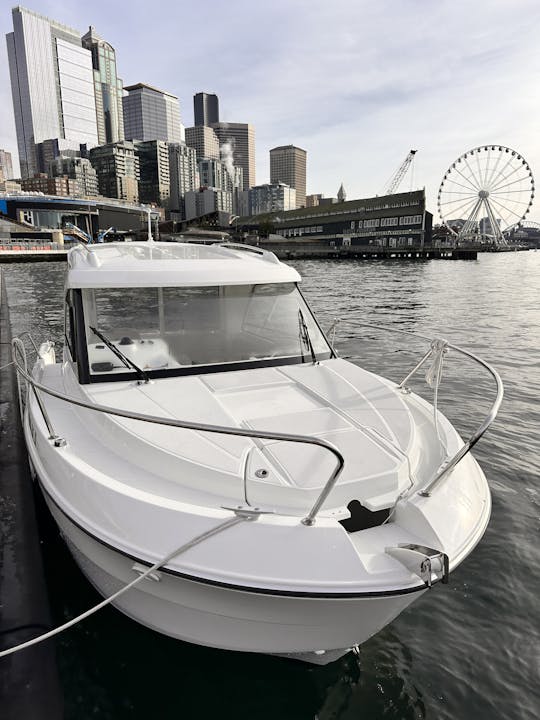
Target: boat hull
313,629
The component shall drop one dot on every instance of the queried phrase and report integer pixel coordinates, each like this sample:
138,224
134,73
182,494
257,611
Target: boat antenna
149,215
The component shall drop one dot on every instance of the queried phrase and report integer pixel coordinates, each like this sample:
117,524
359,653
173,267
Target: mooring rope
177,551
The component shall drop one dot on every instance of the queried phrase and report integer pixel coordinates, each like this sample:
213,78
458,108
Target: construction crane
400,173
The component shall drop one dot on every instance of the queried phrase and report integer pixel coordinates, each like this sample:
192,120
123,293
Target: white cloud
357,84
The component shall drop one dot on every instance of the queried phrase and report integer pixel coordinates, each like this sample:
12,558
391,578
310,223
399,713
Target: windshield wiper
119,354
305,337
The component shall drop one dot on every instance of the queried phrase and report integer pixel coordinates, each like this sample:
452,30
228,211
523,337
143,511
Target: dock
29,682
311,251
34,255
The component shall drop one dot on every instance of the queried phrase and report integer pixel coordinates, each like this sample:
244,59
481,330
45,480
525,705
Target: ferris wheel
484,192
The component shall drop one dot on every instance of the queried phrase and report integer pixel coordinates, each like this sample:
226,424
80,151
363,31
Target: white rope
185,546
3,367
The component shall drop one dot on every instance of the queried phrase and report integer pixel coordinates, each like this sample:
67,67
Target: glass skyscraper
52,85
205,108
107,88
151,114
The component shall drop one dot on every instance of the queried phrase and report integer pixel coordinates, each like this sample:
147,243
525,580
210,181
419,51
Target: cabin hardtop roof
166,264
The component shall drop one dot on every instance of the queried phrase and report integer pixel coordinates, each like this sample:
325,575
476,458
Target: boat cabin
149,310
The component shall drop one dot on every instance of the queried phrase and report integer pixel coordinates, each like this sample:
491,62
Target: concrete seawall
29,683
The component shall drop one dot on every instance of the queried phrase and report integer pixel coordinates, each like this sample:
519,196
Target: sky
356,84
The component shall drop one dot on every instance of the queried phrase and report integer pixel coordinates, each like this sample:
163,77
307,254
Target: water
467,650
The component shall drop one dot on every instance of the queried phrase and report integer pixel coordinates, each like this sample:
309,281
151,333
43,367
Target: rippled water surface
470,649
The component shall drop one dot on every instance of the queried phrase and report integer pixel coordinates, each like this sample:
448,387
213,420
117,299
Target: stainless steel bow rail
437,346
19,353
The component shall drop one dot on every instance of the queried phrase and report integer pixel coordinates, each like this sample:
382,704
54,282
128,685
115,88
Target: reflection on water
467,650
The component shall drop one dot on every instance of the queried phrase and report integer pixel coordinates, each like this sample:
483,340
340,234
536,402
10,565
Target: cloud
355,84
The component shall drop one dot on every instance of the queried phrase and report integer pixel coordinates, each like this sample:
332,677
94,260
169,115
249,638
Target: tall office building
238,140
183,173
151,114
154,177
6,166
205,142
52,85
288,165
117,168
205,108
107,88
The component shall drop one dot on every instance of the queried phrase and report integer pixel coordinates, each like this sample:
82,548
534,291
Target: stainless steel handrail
484,425
202,427
18,347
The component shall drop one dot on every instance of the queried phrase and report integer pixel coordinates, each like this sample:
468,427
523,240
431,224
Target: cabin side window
69,325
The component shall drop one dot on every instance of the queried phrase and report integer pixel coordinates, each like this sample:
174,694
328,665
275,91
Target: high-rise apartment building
78,169
288,165
184,176
6,165
151,114
154,176
107,88
52,85
205,142
237,141
205,108
117,168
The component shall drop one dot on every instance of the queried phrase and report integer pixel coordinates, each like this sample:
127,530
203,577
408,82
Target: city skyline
357,86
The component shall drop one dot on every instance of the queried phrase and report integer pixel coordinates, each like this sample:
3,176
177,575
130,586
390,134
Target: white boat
198,404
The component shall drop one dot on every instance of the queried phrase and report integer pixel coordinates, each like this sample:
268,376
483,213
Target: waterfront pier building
390,221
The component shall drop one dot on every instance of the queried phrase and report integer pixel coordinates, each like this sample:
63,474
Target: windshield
174,329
